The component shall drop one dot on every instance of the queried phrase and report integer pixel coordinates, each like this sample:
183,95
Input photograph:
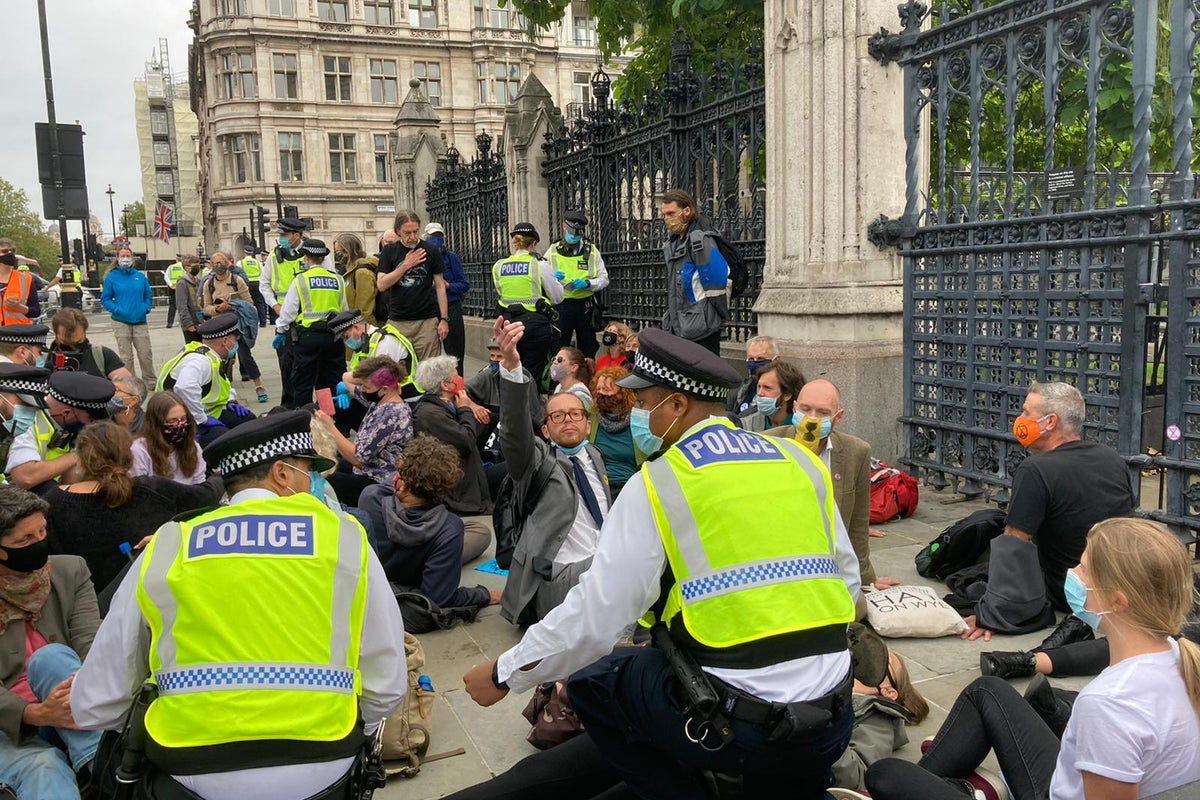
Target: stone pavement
494,738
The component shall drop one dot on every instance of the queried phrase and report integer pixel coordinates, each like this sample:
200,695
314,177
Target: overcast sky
97,49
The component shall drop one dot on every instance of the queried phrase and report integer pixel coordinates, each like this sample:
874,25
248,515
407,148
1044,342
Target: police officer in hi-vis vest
267,627
171,276
253,269
579,267
526,291
200,374
316,295
729,544
367,341
281,269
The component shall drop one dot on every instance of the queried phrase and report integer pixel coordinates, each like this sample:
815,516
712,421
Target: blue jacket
457,284
127,296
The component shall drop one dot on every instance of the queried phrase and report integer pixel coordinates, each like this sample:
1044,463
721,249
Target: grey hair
432,371
134,385
769,341
16,504
403,217
1061,399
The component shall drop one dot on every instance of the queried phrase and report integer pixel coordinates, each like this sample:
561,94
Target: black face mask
631,356
609,338
374,397
29,558
9,258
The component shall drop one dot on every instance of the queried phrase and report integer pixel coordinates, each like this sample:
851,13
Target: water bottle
127,550
424,683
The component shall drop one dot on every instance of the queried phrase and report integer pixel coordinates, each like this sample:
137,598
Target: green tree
131,216
21,224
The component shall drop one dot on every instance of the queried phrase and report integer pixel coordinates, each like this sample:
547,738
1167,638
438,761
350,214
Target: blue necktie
585,491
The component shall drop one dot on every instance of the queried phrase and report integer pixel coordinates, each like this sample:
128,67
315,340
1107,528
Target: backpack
739,273
407,730
894,493
961,544
422,615
510,511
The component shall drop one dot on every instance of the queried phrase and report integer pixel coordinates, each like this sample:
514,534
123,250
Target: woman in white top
1133,731
573,371
166,445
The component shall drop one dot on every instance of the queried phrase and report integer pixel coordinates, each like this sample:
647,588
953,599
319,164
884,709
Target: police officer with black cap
282,266
579,267
22,396
731,542
45,452
316,295
276,596
23,344
527,291
200,374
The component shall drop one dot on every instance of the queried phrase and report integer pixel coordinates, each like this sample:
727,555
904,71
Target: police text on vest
253,535
716,444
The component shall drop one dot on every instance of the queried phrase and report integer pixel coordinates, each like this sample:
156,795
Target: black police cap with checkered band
291,225
23,380
264,440
215,328
340,322
24,334
81,390
666,360
313,247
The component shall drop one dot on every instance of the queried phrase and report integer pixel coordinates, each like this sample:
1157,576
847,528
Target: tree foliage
131,216
23,225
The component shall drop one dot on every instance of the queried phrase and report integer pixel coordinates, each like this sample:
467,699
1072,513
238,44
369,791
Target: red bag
894,493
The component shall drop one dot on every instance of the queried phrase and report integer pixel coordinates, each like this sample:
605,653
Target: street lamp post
112,215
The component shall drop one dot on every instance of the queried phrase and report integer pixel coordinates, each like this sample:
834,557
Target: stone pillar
526,120
416,147
835,162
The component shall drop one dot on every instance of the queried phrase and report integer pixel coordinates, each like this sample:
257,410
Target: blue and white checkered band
98,405
292,444
230,331
23,338
342,327
648,368
237,677
22,386
732,579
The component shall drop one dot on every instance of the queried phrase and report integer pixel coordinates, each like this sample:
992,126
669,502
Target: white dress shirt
193,372
623,583
119,662
389,346
596,284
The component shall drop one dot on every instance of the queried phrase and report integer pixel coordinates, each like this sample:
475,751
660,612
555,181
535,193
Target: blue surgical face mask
570,451
766,405
1076,591
284,243
751,366
22,419
232,352
125,263
639,428
316,485
353,344
572,238
41,361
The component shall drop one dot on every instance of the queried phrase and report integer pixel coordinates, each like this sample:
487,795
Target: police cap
525,229
263,441
291,225
313,247
576,221
24,334
666,360
82,390
28,382
249,249
342,321
218,326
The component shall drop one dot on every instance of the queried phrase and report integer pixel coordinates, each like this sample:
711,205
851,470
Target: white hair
1063,400
769,341
432,371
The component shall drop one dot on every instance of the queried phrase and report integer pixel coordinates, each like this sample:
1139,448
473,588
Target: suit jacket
553,514
69,617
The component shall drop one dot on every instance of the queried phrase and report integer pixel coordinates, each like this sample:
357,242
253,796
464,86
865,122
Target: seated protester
382,436
107,506
418,540
484,389
1132,731
1063,488
760,351
45,452
126,409
367,341
22,396
48,619
778,385
23,344
72,351
166,445
573,371
610,428
200,375
448,415
563,526
614,338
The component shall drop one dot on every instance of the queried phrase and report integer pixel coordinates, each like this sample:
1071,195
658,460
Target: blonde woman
351,260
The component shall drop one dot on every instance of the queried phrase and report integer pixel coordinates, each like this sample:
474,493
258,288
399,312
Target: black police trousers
318,361
574,320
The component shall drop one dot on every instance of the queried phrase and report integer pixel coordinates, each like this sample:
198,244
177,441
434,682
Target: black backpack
739,273
422,615
961,544
510,511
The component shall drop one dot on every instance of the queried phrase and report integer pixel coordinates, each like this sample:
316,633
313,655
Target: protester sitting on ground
130,393
382,436
107,506
760,351
778,385
166,445
72,351
45,451
48,619
419,541
446,413
484,389
1132,731
614,338
573,371
610,428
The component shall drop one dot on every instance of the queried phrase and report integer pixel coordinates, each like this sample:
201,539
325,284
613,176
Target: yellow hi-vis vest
252,267
371,350
283,273
748,525
214,394
44,430
518,281
174,273
584,264
321,294
256,615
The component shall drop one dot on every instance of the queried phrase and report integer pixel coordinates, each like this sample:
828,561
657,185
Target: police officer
22,395
23,343
526,290
367,341
45,452
171,276
579,267
252,268
755,613
283,265
315,295
200,374
275,596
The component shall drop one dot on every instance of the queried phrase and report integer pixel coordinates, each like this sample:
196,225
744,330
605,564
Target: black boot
1071,629
1053,710
1006,665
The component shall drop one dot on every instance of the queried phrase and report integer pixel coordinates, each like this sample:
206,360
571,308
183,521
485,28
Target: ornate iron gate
1033,247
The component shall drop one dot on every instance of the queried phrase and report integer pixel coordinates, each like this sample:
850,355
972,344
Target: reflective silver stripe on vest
683,523
167,542
350,541
239,677
817,476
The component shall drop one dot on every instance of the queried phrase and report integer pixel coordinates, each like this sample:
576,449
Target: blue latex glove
279,340
580,283
342,398
560,275
239,410
211,422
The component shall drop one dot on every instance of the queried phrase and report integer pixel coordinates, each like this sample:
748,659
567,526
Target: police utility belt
543,308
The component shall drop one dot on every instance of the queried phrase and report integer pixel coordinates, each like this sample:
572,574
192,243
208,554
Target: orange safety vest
24,282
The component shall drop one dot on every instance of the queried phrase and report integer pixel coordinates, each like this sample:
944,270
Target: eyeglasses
559,359
573,414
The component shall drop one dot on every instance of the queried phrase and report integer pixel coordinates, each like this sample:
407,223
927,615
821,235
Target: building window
233,8
158,123
585,32
245,157
285,76
482,81
384,86
337,78
490,14
236,79
342,158
291,157
164,183
582,88
162,154
422,13
480,14
508,81
429,73
378,12
283,8
333,10
381,158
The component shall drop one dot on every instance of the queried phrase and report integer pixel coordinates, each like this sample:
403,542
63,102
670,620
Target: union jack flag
164,218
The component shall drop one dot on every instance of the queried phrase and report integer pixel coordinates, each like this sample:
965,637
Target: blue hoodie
127,296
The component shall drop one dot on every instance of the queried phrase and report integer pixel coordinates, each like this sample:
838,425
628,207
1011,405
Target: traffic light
263,222
77,251
292,212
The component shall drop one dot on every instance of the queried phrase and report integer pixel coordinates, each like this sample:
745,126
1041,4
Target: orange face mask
1027,431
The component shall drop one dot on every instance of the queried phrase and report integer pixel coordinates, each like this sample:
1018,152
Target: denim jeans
38,768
